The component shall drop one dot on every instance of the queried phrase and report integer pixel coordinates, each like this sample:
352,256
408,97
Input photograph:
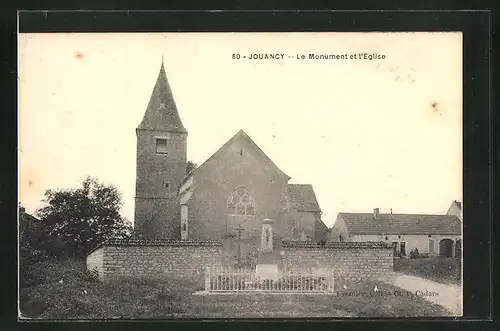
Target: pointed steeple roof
162,114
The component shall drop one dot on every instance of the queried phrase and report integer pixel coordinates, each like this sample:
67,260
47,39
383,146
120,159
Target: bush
414,254
434,268
48,284
52,271
66,290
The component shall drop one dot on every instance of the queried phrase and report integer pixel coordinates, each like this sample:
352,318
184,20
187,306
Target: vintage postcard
240,175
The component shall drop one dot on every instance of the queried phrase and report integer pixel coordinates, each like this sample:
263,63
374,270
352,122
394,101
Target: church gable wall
236,165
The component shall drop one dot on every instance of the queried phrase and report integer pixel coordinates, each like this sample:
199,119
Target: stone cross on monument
267,236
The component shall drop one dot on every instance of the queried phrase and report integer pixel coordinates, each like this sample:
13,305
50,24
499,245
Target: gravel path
448,296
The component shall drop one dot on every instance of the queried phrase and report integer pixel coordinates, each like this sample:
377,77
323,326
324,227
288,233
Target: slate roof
365,223
161,113
303,198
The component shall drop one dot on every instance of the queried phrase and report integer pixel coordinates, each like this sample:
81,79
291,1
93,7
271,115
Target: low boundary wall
154,258
354,261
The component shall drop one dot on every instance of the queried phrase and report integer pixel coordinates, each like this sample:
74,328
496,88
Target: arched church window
241,202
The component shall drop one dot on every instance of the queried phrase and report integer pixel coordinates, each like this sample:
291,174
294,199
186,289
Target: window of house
395,246
341,238
161,146
184,227
431,246
241,202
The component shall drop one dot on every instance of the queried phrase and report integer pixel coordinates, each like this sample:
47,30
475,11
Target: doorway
399,248
446,248
403,248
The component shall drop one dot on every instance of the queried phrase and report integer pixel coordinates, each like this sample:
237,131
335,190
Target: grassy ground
81,296
443,270
357,300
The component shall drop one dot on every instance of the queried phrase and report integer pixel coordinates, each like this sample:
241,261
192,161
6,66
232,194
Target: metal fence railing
229,279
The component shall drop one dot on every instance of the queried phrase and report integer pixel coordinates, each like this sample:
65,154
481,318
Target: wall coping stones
347,245
157,242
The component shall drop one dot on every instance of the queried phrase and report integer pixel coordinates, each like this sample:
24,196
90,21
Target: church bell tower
161,165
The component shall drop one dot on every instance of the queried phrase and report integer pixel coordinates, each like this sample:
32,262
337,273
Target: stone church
228,196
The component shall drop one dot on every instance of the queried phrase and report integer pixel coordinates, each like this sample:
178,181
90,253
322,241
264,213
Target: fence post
206,276
330,282
333,280
224,272
218,277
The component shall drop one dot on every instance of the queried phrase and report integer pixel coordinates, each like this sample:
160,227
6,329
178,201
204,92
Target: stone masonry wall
95,261
159,258
351,261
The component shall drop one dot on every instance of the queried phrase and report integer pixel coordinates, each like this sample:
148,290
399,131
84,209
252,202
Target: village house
226,197
430,234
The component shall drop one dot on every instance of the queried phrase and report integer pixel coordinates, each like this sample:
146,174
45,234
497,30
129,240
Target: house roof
365,223
303,198
161,113
458,204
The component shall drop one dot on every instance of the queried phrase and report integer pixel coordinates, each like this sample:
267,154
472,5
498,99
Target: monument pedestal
267,271
267,268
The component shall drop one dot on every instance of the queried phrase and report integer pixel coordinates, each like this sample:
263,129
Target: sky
383,133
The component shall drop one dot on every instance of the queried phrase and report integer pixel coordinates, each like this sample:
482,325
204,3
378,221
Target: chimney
375,213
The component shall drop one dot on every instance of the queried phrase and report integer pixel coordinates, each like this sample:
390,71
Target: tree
36,248
30,230
84,217
190,167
